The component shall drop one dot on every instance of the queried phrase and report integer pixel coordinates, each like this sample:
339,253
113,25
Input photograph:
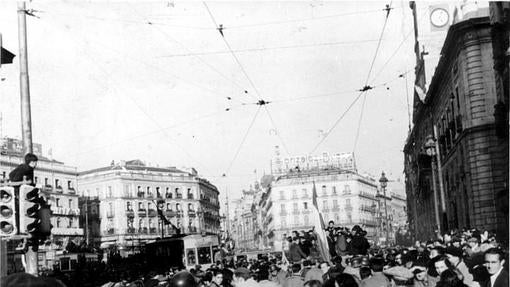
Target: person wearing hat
353,267
243,278
454,255
182,279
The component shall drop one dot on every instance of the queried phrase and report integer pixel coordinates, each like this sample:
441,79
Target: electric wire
248,50
277,130
196,56
242,141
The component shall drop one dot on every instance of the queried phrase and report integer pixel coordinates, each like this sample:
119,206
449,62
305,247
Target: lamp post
384,182
430,148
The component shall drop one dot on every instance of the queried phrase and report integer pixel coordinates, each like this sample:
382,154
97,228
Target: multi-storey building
247,232
58,183
127,196
343,196
458,111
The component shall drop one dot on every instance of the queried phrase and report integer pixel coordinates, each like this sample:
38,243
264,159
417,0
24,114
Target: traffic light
7,211
35,214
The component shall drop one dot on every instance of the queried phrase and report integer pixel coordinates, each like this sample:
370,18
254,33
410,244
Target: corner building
126,195
343,196
461,104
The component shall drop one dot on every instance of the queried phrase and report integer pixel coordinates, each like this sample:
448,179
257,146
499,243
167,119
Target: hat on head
242,270
457,252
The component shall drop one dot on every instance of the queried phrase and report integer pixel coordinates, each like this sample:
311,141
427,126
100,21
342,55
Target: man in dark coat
494,262
25,170
295,252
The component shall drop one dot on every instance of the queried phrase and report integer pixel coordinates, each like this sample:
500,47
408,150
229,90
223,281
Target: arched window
177,207
168,206
190,206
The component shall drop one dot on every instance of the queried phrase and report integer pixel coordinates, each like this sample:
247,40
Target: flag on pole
322,239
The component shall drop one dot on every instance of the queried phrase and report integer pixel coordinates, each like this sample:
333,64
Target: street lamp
384,182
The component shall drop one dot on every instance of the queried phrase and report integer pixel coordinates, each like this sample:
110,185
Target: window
57,201
35,178
177,207
168,206
305,205
149,206
141,223
190,194
128,206
149,191
46,181
140,206
58,222
335,204
307,219
110,207
282,207
324,190
69,184
295,206
70,203
294,193
4,174
284,223
333,188
158,193
70,222
190,206
305,192
282,196
325,205
168,193
57,183
109,192
347,189
348,201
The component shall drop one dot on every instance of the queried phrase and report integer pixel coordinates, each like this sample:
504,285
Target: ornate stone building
471,178
127,194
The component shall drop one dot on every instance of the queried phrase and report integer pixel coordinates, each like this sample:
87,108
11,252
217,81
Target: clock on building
439,17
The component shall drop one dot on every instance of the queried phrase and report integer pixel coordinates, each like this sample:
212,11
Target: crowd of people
468,258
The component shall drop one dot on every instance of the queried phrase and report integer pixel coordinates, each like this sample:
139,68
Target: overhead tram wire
242,141
303,19
196,56
231,51
261,101
362,91
388,10
324,44
148,115
277,130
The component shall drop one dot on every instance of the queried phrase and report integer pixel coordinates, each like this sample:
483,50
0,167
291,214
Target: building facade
469,176
124,198
246,227
58,183
345,197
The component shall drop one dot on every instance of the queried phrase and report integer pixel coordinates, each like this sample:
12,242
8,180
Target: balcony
348,207
191,196
140,194
130,230
283,213
178,196
305,195
143,230
168,195
307,211
295,212
142,213
153,230
153,213
71,190
192,229
170,213
110,214
150,194
59,189
110,231
130,213
335,209
47,188
191,213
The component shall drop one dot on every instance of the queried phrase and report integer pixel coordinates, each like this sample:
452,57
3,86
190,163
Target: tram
182,251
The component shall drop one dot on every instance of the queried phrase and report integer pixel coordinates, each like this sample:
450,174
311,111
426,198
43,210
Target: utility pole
26,119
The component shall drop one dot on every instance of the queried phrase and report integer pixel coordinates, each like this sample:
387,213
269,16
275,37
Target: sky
157,81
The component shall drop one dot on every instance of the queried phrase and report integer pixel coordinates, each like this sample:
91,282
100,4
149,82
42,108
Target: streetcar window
204,255
190,254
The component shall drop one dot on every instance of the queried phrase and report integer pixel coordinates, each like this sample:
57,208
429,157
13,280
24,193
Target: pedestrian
449,278
263,278
378,279
25,171
314,273
454,255
295,252
494,263
295,280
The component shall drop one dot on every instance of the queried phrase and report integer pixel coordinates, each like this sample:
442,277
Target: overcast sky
152,81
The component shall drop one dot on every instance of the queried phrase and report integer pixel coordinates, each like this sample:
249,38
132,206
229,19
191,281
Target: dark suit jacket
501,280
295,253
